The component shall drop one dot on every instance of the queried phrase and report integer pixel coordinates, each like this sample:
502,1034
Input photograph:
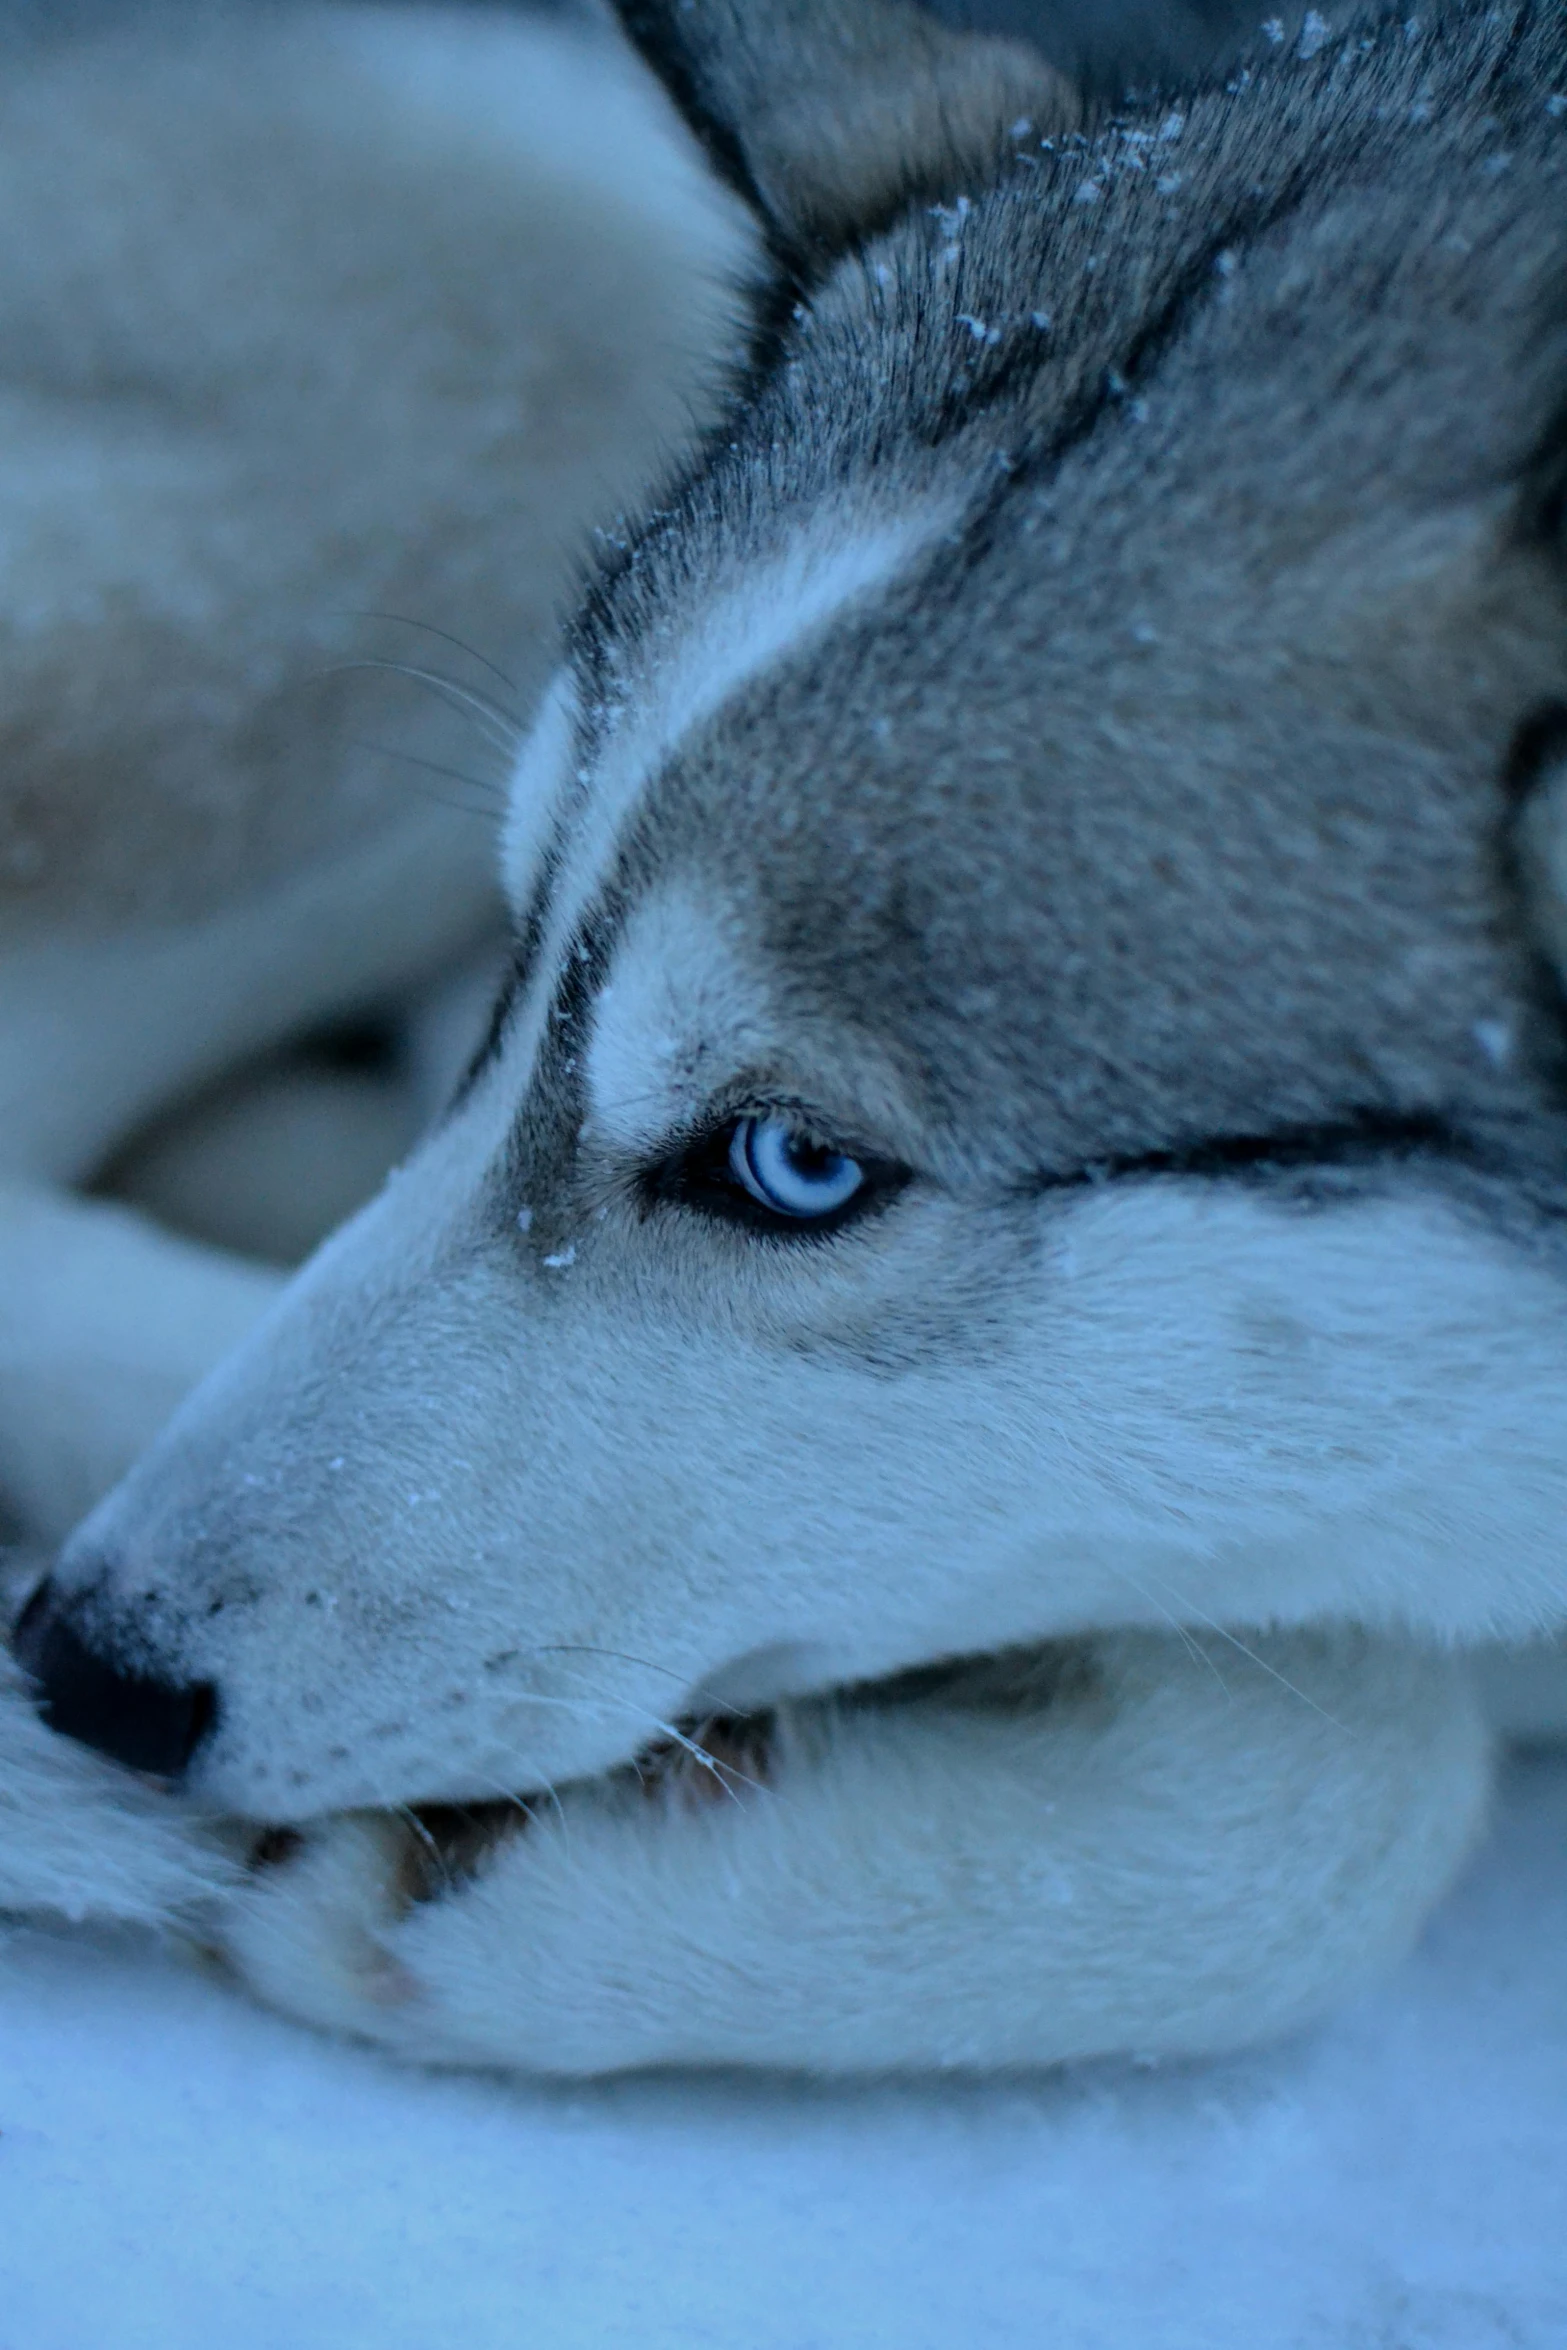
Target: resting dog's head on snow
1031,1094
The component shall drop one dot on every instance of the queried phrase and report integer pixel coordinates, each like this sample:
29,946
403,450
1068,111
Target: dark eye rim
697,1177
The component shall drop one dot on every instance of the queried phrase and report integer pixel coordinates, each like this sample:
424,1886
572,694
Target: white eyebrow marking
537,783
771,610
677,1009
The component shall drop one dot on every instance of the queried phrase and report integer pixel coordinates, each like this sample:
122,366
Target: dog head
1030,1094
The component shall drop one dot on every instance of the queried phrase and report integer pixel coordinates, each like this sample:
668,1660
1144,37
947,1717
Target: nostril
138,1719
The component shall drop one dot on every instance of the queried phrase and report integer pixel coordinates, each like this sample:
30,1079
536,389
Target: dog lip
760,1677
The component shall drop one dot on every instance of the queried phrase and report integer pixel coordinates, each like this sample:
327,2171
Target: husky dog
904,1478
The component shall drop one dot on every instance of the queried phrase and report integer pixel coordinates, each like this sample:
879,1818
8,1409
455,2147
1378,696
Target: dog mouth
714,1759
705,1759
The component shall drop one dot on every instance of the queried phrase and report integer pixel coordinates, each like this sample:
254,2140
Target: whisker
410,1819
1211,1624
436,799
1183,1632
501,1793
428,628
620,1656
730,1777
601,1706
494,790
494,722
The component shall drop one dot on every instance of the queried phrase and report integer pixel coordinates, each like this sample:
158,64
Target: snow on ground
181,2172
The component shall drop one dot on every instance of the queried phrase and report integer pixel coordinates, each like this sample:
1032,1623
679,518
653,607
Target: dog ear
831,115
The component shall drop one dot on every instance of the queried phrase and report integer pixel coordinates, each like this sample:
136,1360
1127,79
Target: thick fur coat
903,1478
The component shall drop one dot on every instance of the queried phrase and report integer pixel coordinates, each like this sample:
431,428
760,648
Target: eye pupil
789,1172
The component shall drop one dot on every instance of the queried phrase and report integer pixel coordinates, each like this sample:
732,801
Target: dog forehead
676,1003
1115,843
1148,793
584,792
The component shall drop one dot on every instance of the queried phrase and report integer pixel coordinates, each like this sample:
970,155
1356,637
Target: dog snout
84,1690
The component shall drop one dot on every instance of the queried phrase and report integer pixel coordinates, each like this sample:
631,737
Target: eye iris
790,1173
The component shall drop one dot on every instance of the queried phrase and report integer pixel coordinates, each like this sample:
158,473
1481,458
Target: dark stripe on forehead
531,927
726,491
554,1100
489,1049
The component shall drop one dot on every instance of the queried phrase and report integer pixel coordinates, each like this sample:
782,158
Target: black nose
142,1721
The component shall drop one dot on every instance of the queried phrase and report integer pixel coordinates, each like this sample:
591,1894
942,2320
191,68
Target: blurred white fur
313,314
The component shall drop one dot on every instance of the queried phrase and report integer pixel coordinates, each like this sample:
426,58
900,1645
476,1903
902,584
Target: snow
179,2170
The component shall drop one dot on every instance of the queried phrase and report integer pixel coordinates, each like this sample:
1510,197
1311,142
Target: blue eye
789,1173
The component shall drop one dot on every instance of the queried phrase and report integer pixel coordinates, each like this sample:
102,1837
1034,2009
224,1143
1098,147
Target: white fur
500,1507
325,310
778,606
97,1032
682,1008
1193,1403
105,1324
79,1840
539,780
1201,1852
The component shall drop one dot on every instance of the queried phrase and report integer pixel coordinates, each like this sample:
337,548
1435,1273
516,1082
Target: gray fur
1152,818
833,119
1166,806
1089,726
